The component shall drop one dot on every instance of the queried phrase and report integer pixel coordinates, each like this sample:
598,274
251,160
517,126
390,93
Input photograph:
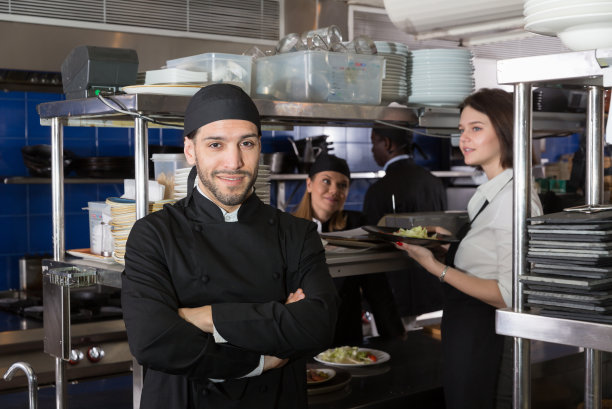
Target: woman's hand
419,253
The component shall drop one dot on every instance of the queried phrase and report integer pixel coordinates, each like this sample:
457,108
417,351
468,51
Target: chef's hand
272,362
296,296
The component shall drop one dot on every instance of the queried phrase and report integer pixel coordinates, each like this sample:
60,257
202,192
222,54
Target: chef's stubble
228,199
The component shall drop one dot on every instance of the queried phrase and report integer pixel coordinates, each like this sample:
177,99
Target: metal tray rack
591,70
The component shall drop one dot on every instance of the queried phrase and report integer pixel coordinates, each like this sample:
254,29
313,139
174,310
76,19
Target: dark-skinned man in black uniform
410,188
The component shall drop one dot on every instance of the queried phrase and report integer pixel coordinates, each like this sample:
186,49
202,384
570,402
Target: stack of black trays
571,271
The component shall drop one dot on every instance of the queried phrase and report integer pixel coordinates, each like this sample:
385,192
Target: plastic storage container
227,68
100,239
320,76
165,165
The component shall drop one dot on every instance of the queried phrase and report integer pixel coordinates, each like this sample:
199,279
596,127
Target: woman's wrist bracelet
443,273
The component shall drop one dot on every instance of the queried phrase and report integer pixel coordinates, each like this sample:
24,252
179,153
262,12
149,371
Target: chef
224,297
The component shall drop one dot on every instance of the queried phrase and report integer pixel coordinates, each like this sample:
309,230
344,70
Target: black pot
37,159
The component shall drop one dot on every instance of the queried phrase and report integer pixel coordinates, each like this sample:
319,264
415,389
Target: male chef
224,298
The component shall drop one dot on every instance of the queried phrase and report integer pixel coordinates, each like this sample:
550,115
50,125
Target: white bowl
587,37
565,11
552,26
536,6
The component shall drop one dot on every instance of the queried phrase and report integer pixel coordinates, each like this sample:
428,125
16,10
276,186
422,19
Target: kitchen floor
115,392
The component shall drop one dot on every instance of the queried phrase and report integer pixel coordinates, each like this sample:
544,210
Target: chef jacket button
205,278
204,391
276,276
263,388
271,221
198,228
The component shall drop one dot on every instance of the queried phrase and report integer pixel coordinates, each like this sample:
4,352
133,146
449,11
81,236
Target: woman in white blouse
477,275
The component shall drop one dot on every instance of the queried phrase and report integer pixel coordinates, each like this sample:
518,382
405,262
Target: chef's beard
227,199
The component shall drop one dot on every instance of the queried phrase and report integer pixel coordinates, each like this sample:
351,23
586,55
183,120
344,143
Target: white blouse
486,251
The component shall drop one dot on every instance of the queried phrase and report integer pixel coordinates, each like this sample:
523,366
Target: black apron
471,349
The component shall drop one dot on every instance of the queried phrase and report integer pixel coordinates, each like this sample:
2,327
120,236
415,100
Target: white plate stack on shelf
440,77
579,24
395,82
262,184
180,182
170,81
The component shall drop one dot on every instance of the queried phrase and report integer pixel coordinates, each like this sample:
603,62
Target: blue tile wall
25,219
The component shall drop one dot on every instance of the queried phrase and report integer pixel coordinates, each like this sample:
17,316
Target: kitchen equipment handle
32,381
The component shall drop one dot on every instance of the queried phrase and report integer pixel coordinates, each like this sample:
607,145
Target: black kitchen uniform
415,190
186,255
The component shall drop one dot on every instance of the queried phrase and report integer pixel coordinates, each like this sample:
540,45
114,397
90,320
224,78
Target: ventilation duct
457,20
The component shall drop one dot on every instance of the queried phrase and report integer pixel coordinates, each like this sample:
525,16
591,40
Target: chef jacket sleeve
287,330
158,337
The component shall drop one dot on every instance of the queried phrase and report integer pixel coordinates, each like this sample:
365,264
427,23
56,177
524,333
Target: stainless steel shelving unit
141,111
591,70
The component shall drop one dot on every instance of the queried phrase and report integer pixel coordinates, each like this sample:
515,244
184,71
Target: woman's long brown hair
304,210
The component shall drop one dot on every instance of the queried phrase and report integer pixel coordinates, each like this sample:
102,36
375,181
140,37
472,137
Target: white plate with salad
352,356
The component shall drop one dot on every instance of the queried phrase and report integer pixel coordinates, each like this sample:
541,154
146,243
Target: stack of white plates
395,82
580,24
440,77
180,182
262,184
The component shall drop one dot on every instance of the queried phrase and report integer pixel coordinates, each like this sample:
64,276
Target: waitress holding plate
477,273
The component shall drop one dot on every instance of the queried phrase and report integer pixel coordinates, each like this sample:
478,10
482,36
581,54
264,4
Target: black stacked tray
571,271
104,167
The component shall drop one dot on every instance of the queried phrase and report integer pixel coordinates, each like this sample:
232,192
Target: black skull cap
217,102
329,162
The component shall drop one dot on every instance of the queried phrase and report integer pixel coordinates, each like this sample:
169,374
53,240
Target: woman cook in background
478,277
327,187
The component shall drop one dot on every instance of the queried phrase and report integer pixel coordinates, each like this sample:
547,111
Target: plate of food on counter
417,235
352,356
316,376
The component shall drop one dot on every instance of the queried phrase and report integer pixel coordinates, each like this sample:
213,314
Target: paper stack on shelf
571,274
123,217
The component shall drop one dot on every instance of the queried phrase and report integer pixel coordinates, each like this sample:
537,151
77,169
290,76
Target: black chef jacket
415,190
186,255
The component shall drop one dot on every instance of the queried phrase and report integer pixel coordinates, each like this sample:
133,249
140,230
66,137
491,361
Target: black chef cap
217,102
329,162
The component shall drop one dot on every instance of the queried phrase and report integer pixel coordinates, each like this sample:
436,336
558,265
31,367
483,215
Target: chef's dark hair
498,106
402,139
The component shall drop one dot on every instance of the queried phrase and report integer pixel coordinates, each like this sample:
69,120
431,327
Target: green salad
419,232
347,355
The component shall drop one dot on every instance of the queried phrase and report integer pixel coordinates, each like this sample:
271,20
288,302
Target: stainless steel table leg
141,163
59,238
522,210
141,167
594,195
